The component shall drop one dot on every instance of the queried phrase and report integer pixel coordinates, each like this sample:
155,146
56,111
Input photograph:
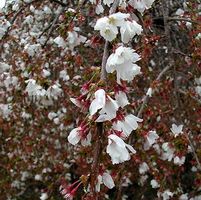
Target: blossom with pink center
80,134
107,106
127,125
118,149
81,102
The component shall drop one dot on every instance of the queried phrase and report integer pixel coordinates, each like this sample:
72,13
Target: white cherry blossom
154,184
176,130
150,139
127,125
184,197
43,196
141,5
108,2
129,29
107,105
78,134
108,25
34,90
123,62
121,99
149,92
74,39
167,195
143,168
108,112
107,30
60,42
98,102
99,9
106,179
118,149
179,160
2,3
118,19
168,152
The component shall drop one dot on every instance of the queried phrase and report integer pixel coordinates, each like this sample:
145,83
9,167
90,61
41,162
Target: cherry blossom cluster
140,5
102,107
131,123
108,27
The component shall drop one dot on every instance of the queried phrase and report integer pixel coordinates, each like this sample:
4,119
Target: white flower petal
2,3
99,182
118,19
98,102
123,62
86,141
108,181
117,149
74,136
121,99
176,130
130,148
108,112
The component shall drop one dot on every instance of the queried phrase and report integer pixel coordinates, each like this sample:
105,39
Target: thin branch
100,128
46,28
146,97
96,159
183,19
194,152
52,26
189,95
104,61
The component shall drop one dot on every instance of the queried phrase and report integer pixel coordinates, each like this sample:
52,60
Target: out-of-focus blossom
141,5
176,130
151,138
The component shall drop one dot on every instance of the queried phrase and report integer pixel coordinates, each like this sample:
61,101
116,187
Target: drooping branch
100,128
189,95
106,47
96,159
183,20
104,60
146,97
194,152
